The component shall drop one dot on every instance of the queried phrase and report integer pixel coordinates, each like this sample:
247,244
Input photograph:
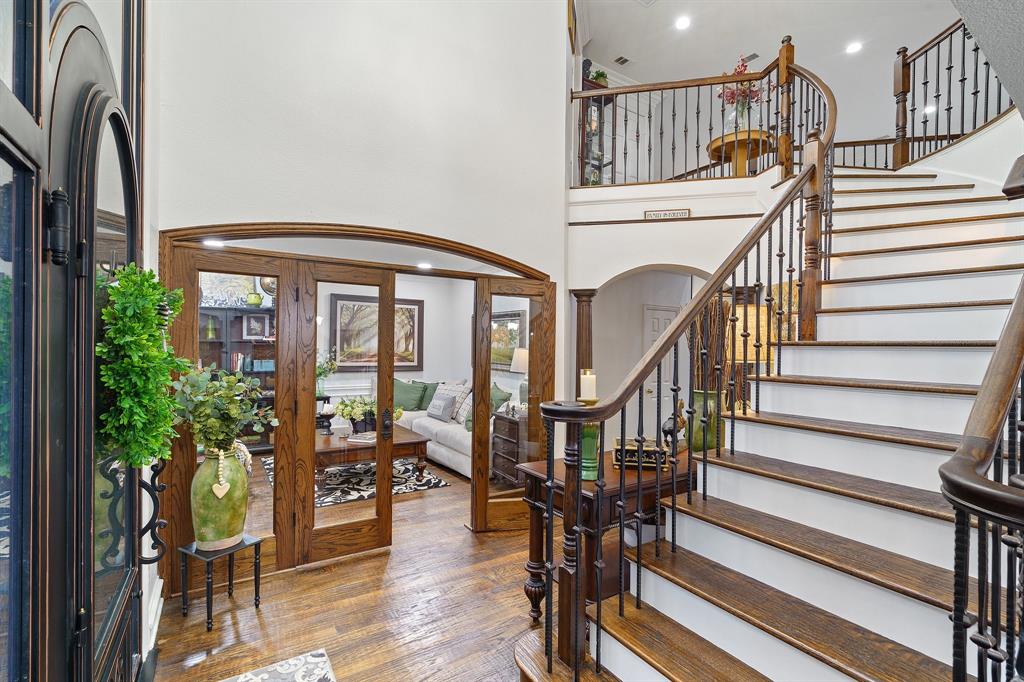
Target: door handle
386,424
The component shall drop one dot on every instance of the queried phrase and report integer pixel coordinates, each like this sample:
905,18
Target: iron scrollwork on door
155,523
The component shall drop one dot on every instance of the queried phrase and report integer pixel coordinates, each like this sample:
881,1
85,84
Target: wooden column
571,618
900,89
814,153
786,56
584,331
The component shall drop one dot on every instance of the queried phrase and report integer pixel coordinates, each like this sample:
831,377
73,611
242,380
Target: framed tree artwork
508,332
354,333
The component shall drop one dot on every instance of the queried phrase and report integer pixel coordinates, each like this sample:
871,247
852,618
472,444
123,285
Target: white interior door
656,319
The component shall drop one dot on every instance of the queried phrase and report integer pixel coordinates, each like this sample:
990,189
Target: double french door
276,319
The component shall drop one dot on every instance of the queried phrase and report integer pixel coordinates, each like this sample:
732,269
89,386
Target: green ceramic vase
218,522
714,404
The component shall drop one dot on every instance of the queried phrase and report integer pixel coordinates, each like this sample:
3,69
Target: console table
607,517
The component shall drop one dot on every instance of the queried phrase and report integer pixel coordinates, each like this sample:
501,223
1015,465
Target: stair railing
715,352
984,481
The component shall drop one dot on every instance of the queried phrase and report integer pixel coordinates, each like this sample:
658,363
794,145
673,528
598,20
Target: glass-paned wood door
350,452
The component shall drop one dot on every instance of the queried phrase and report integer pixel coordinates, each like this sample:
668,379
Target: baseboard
152,608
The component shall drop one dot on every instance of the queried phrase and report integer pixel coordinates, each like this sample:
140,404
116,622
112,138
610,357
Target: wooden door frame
177,244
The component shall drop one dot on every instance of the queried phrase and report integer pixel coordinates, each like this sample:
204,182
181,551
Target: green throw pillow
428,393
498,397
469,423
408,396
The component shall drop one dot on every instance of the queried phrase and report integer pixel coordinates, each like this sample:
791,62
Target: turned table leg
421,462
535,587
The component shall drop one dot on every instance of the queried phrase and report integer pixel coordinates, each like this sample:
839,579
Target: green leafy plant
218,405
136,367
599,75
359,407
325,365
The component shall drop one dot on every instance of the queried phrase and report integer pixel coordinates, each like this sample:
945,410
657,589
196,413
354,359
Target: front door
345,357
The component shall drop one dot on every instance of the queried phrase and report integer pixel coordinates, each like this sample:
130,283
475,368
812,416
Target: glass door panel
509,394
345,472
238,333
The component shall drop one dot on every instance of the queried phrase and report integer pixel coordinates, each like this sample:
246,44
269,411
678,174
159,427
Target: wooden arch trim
231,231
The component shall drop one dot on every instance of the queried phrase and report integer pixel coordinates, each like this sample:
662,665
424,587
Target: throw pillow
441,408
469,423
465,410
457,391
409,396
428,393
498,397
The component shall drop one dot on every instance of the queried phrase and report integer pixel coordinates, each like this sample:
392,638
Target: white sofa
450,445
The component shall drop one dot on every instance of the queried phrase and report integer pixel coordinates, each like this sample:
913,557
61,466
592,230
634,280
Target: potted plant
325,367
362,412
218,405
600,77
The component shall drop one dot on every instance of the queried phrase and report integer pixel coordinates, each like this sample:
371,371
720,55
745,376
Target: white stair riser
905,620
927,234
971,287
943,324
884,183
750,644
888,215
919,537
929,259
942,412
842,200
908,363
620,661
879,460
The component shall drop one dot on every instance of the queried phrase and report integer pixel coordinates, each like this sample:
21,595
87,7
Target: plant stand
208,559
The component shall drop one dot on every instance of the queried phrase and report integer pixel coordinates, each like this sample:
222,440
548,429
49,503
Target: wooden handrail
574,412
964,479
672,85
939,37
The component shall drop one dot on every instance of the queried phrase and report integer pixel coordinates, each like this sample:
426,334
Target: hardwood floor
441,604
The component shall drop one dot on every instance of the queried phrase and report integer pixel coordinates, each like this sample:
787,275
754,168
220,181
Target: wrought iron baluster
938,93
549,542
620,504
732,365
705,335
924,102
661,135
988,70
691,341
657,460
999,96
637,136
961,556
696,146
779,312
719,359
625,139
676,388
674,132
686,131
650,95
638,515
976,91
599,486
711,133
757,328
963,75
981,637
615,132
769,301
579,606
949,90
746,332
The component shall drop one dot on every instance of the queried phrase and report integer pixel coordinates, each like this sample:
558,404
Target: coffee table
331,450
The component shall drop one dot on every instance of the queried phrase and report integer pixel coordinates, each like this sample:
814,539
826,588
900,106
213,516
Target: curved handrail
572,411
964,479
724,79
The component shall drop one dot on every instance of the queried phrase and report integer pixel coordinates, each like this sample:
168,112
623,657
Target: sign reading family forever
667,213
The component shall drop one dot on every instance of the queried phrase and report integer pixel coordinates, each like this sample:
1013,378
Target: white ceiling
721,30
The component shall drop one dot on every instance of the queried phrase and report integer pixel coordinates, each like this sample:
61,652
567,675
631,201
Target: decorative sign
667,213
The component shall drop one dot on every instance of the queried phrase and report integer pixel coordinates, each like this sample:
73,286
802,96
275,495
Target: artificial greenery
359,407
135,367
598,76
325,365
218,405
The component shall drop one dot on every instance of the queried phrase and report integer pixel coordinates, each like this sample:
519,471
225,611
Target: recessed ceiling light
683,23
930,109
854,47
215,243
424,266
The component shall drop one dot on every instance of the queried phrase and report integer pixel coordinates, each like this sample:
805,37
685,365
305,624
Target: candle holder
590,432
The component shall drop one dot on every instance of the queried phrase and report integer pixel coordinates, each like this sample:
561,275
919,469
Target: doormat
351,482
312,666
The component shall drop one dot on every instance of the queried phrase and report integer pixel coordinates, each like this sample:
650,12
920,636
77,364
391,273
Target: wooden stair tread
991,303
676,652
906,188
890,174
917,204
845,646
879,384
533,665
933,221
883,493
889,434
926,273
930,247
894,344
915,579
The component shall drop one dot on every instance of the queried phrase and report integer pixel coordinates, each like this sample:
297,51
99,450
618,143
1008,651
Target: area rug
312,666
351,482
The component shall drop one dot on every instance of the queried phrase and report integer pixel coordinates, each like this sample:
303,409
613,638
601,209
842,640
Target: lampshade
520,360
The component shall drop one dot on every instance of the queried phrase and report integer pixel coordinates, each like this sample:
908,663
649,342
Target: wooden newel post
584,331
814,153
900,89
786,53
571,599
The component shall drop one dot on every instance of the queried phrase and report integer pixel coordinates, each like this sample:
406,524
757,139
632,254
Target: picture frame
353,333
508,332
255,326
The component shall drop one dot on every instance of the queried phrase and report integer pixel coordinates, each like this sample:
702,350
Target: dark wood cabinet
508,448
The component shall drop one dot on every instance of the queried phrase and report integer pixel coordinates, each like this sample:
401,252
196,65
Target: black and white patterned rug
312,666
350,482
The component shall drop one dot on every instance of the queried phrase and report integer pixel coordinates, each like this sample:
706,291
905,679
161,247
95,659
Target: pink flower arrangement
742,95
